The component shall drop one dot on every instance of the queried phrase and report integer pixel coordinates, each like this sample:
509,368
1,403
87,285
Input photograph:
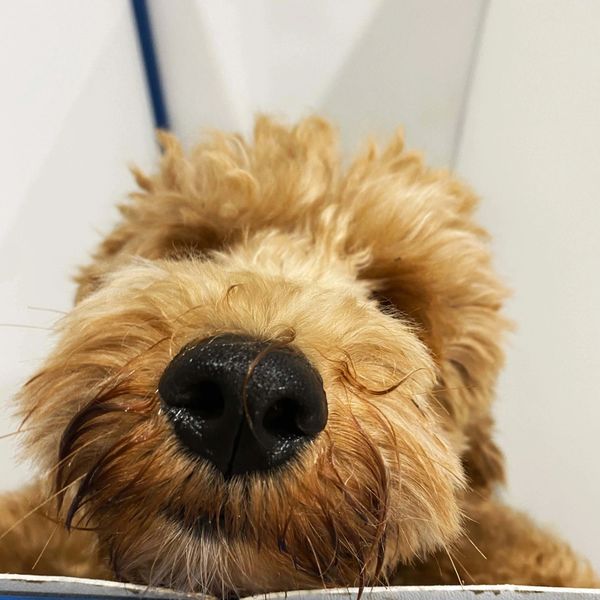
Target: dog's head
278,372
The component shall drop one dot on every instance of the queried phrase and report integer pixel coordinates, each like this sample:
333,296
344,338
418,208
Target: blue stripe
146,40
59,596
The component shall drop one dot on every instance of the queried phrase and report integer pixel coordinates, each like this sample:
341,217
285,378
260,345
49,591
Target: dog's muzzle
242,404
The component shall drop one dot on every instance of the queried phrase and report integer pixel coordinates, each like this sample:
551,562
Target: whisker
44,309
36,508
475,546
37,560
26,326
396,385
17,432
460,581
465,569
71,455
319,569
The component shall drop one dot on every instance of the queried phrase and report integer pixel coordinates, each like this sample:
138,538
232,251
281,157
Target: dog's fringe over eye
384,303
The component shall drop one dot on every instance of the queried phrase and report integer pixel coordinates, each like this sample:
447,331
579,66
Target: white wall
370,67
531,148
73,112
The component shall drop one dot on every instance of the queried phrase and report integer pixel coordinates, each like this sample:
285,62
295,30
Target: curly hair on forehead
427,257
373,282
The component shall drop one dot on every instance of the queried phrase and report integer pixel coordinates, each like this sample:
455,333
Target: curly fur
379,275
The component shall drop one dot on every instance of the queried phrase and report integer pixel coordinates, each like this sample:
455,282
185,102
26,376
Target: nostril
204,399
242,405
281,419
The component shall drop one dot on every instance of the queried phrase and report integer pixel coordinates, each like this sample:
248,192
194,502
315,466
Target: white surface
441,592
75,110
370,67
77,587
531,148
59,586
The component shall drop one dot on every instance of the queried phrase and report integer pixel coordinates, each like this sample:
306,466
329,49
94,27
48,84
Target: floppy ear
163,217
207,198
432,261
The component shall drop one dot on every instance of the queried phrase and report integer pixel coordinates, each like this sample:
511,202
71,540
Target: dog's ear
208,198
432,262
160,220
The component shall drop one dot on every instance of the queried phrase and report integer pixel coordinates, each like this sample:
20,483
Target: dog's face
277,375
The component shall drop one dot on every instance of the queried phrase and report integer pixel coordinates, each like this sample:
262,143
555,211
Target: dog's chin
203,526
212,558
221,544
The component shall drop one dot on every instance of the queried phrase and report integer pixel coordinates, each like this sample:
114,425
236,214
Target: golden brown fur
376,272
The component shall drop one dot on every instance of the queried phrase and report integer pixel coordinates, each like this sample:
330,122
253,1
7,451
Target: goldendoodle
278,374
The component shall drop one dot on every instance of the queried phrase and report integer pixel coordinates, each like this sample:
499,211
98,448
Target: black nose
243,404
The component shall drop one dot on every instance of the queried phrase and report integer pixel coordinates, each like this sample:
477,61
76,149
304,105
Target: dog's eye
185,249
384,304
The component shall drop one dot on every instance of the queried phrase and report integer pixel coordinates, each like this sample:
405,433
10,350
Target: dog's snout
245,405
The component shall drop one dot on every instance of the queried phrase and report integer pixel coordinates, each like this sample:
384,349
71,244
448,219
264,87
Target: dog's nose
245,405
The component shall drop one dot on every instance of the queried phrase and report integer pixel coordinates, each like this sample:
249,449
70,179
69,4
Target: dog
278,374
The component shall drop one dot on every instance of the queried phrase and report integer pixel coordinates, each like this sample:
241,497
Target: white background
73,112
506,91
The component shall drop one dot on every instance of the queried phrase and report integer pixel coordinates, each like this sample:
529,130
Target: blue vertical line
147,46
